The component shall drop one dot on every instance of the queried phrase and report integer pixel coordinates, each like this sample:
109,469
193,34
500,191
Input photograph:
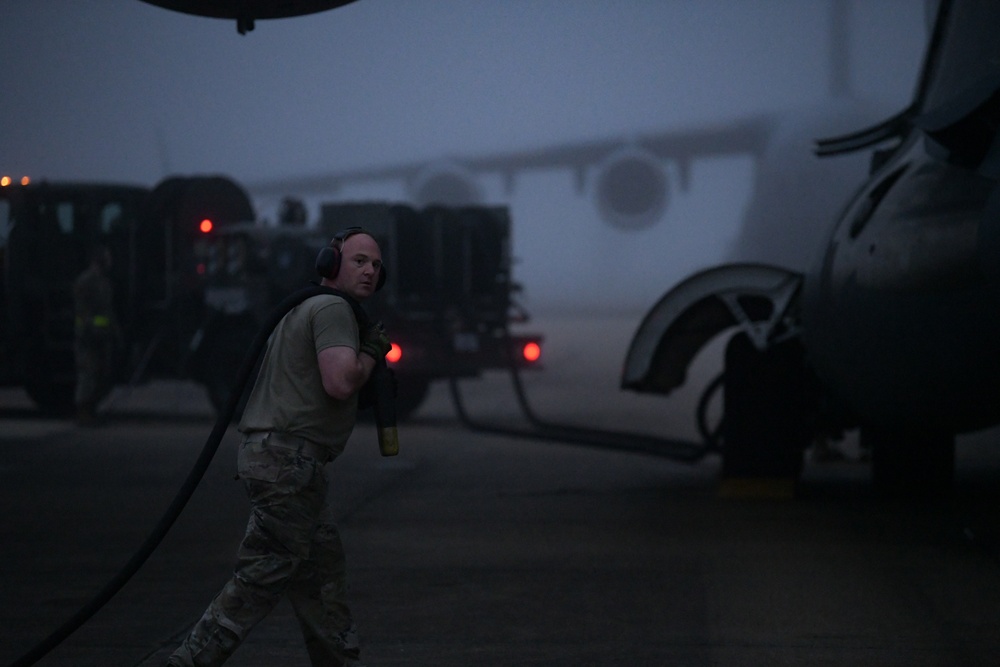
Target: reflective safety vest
99,321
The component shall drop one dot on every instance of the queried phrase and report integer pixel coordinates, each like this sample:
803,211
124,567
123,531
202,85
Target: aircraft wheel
768,409
910,463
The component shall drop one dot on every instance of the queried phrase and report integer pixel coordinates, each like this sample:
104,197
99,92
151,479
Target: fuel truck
195,274
448,301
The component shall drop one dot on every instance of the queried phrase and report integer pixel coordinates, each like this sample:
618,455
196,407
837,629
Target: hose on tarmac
683,451
222,423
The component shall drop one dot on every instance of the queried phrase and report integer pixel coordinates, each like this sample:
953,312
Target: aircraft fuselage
900,316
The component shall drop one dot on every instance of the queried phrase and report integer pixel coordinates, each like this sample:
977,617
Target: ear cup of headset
328,263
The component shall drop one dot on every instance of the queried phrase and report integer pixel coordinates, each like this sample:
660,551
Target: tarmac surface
483,549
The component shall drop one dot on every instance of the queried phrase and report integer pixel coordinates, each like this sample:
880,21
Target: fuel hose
675,449
194,477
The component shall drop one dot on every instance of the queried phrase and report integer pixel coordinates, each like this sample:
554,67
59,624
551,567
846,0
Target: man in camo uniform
299,416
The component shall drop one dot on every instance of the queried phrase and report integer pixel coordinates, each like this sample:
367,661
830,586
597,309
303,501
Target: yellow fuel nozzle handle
385,410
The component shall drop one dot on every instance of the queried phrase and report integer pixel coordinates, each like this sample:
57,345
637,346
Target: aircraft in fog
634,179
891,332
246,12
894,329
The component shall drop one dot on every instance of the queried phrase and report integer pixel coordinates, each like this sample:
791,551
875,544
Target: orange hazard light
394,354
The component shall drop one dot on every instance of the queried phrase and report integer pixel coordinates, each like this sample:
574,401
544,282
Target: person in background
96,334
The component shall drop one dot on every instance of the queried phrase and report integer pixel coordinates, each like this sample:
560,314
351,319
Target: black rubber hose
222,423
712,436
670,448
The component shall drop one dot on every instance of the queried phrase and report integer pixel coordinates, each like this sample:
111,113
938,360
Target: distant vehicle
46,232
447,304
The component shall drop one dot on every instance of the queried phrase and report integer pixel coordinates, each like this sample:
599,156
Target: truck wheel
51,397
411,394
220,358
910,464
768,404
218,393
220,386
51,379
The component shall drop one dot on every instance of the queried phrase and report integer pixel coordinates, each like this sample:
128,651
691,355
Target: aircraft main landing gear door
755,298
768,394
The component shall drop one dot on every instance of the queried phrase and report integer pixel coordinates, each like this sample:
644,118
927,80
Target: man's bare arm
344,370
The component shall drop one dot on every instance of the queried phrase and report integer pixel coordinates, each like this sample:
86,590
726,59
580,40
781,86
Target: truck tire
412,390
219,359
410,395
51,379
911,464
51,397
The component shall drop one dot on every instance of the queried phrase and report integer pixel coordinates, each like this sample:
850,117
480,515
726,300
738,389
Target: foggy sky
122,90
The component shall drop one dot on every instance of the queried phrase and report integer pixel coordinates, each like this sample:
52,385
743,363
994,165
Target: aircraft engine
445,183
631,188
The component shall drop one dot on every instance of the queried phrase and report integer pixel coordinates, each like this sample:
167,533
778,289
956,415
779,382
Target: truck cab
47,230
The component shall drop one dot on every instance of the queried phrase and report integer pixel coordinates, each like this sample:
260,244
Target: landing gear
907,463
770,404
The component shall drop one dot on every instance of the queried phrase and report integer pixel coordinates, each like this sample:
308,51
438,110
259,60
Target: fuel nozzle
385,409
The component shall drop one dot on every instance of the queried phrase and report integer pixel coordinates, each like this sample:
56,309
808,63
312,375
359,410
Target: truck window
65,217
5,221
110,218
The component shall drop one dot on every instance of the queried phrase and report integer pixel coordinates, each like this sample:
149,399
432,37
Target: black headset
329,258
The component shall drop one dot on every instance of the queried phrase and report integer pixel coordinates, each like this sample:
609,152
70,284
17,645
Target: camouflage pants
292,548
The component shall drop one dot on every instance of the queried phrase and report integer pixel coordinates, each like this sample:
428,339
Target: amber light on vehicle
394,354
531,351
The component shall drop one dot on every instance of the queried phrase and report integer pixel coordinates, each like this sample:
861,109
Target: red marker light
205,226
394,354
531,351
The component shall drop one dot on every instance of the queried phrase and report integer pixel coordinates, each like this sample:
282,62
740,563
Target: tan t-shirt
288,395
